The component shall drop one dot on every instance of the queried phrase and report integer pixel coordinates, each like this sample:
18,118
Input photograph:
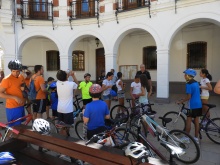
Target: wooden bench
94,153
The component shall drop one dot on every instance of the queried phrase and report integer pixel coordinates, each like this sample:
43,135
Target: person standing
48,102
114,79
106,88
40,102
65,92
10,89
205,87
84,86
135,89
194,103
147,74
101,78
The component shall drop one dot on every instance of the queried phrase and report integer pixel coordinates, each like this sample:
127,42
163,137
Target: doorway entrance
100,62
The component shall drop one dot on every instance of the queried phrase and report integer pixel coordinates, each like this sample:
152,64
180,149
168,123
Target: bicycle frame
28,117
7,131
176,150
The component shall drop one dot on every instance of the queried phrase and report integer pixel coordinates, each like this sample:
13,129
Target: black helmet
87,74
14,65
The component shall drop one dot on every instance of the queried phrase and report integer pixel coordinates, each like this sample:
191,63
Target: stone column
7,58
163,75
111,62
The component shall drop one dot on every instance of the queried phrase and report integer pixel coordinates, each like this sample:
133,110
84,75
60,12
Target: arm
43,88
7,96
188,97
143,92
107,117
74,77
131,89
217,87
209,87
85,120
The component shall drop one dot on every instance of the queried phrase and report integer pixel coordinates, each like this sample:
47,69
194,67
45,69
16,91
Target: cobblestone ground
210,152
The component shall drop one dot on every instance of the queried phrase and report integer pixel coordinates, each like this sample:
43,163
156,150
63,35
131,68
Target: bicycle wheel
119,111
79,127
123,135
178,122
190,149
213,130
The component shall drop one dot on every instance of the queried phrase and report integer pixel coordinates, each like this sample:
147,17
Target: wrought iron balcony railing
84,9
36,10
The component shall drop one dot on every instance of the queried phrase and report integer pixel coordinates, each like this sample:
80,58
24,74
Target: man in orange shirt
10,89
40,107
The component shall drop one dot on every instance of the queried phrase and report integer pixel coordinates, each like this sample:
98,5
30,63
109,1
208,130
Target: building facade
168,36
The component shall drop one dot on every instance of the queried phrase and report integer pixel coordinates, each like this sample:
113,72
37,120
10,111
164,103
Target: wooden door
39,9
100,62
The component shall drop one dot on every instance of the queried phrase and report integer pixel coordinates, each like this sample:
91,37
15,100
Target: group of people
59,95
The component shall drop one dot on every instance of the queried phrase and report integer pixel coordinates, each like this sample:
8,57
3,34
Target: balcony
126,5
36,10
84,9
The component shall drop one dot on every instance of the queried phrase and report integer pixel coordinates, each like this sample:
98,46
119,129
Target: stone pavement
210,152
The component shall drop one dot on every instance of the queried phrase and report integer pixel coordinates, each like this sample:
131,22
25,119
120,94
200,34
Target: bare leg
188,124
108,102
35,115
196,120
39,115
204,107
47,111
121,102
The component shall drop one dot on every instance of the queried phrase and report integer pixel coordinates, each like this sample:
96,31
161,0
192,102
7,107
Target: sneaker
197,140
185,140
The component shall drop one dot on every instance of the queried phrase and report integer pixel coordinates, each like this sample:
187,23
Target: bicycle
3,138
119,111
211,128
78,106
172,141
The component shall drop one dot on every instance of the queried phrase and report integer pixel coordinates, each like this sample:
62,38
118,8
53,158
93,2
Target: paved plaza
210,152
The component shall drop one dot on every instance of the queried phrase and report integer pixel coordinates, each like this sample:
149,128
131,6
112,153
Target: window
85,6
78,60
150,57
53,60
196,54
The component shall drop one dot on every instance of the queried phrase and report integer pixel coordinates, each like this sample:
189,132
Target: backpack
32,91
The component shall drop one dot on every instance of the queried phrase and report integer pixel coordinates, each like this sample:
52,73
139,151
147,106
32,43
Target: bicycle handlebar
13,130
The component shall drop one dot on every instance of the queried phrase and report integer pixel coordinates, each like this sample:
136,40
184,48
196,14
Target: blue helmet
53,84
190,72
113,93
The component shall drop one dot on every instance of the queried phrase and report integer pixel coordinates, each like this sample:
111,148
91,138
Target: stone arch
186,20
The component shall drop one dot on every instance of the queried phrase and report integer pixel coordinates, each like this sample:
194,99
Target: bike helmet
42,126
95,88
87,74
136,150
14,65
190,72
53,84
6,158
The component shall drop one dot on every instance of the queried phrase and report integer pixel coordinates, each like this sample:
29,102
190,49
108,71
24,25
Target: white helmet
42,126
136,150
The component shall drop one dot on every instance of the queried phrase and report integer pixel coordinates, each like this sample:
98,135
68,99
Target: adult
40,103
114,79
27,83
147,74
217,87
10,89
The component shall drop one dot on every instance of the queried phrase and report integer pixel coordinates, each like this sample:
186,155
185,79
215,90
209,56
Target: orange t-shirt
38,80
12,86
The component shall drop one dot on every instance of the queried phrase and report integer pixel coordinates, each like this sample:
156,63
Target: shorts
67,118
107,97
13,114
194,112
121,94
48,103
86,101
39,106
90,133
54,113
205,97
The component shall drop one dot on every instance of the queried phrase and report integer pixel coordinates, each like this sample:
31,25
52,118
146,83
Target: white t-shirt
65,96
136,87
203,83
118,86
107,82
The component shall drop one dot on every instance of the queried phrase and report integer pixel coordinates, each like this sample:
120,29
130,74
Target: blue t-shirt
96,112
194,90
54,100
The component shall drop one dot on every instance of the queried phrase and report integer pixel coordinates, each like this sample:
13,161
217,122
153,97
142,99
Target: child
96,112
65,91
106,88
54,99
205,87
121,90
194,103
135,89
84,86
145,89
49,81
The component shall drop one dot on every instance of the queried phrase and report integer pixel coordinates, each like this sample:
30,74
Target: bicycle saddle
166,120
210,105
